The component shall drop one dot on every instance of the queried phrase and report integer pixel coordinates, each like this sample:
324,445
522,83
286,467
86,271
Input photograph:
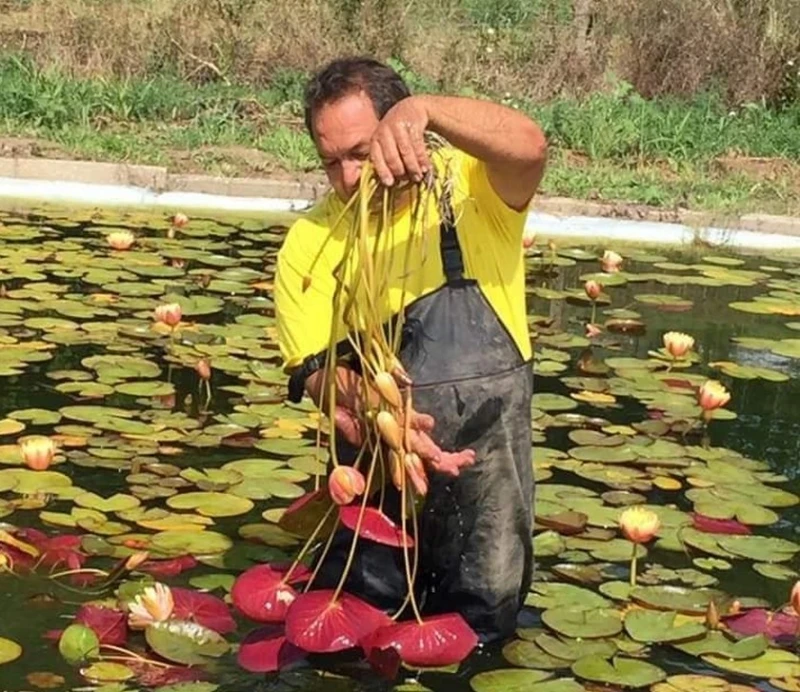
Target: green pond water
80,360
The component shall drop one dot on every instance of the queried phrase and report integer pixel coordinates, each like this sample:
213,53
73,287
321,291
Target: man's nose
351,173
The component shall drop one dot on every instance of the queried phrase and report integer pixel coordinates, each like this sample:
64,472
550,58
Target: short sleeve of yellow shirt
489,233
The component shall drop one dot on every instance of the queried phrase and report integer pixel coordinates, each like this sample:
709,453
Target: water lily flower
169,314
611,262
593,289
153,605
120,240
639,524
180,220
38,452
678,344
795,598
528,238
345,483
711,396
203,369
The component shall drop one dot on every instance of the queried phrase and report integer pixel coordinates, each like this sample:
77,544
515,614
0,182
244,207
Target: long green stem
594,310
634,559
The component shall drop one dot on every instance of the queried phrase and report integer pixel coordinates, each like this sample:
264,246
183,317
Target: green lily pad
551,595
675,598
211,504
185,642
573,649
759,548
652,626
146,388
528,654
773,663
9,650
583,623
78,643
618,671
507,680
607,455
719,644
176,543
107,671
553,402
777,572
115,503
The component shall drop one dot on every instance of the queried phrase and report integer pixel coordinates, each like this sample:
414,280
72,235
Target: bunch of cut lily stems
361,298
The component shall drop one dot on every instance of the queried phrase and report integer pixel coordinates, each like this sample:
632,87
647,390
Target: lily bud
593,289
136,559
712,616
345,483
203,369
678,344
416,472
386,385
528,238
795,598
399,372
180,220
639,524
389,430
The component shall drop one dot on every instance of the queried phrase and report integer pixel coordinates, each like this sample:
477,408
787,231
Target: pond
177,441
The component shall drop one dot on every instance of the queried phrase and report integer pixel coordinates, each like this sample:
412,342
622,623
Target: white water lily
153,605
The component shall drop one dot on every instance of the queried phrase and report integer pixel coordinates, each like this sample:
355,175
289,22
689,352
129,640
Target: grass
610,145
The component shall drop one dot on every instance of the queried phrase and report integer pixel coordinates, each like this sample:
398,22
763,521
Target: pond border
121,184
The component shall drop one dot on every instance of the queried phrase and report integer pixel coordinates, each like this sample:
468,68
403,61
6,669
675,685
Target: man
465,342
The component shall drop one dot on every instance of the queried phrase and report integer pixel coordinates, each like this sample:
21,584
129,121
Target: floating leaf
211,504
78,643
266,650
583,623
9,650
652,627
619,671
185,642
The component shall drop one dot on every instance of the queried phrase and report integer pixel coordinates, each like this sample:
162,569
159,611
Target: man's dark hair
353,74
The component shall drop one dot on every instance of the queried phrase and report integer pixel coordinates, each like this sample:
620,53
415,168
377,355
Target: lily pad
211,504
618,671
9,650
652,626
583,623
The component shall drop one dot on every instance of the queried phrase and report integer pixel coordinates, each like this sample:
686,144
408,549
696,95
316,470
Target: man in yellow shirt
465,340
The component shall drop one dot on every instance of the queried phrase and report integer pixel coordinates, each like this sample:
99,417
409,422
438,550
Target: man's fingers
348,425
404,135
451,463
423,422
391,155
425,447
379,162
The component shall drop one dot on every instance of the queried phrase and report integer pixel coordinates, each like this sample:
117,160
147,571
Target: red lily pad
110,625
202,608
265,650
726,526
300,573
168,568
262,594
440,640
777,626
375,526
59,550
317,623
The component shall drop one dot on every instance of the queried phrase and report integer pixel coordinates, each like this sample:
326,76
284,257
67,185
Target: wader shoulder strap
452,259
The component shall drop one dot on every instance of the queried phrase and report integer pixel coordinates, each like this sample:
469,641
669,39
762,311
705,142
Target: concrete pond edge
57,181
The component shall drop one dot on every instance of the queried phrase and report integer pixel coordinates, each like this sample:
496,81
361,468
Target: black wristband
297,380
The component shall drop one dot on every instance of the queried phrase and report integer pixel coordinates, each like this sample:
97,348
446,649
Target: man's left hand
398,149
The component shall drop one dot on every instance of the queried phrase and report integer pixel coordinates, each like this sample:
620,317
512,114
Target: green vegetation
217,87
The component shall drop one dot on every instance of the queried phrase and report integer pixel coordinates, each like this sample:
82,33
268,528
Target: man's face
343,130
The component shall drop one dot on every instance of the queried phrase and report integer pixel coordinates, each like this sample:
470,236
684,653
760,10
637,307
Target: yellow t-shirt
408,262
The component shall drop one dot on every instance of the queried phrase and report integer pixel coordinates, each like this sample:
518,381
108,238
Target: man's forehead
345,124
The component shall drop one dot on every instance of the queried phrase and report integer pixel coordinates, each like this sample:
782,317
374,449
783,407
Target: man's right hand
348,418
